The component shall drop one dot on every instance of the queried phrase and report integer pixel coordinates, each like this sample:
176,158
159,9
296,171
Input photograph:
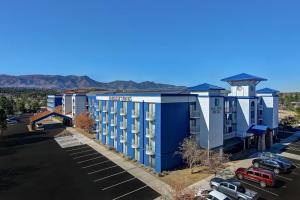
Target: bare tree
190,152
193,155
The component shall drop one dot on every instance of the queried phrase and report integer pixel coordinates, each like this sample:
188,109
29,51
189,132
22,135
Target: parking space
293,148
108,177
287,184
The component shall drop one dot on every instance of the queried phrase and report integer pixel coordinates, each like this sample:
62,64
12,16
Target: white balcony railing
134,144
105,121
123,125
150,116
122,111
150,132
105,131
150,150
113,110
194,129
194,114
122,139
104,109
134,114
113,135
113,122
134,128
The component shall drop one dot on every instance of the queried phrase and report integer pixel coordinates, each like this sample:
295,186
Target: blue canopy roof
243,77
205,87
258,129
267,91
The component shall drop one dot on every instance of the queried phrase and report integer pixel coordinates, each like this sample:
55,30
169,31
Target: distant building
149,127
53,101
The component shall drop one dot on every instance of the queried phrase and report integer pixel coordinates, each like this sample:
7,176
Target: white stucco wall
211,122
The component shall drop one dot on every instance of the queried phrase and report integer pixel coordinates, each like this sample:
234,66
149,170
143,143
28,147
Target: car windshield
241,189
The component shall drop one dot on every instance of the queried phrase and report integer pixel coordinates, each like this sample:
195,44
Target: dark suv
271,164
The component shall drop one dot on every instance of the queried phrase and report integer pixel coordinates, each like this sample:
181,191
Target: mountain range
74,82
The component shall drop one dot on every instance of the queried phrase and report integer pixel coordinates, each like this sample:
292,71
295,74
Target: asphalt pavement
35,167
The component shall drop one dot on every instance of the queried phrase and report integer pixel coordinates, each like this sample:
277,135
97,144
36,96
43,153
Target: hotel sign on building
120,98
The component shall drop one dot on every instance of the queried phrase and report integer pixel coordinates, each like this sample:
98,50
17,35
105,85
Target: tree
20,106
58,109
3,123
288,122
84,121
7,105
190,152
193,155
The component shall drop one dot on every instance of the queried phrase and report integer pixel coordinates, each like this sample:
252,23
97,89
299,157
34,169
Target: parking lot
111,179
36,167
287,185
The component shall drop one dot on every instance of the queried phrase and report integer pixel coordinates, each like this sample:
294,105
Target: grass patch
185,178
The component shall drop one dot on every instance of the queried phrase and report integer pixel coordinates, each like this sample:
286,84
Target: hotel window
252,113
217,102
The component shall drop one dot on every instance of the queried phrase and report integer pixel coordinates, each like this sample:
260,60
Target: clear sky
181,42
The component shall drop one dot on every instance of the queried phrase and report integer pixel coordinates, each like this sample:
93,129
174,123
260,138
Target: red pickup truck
261,176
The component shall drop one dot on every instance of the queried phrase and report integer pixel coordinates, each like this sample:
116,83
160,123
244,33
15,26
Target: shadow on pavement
8,176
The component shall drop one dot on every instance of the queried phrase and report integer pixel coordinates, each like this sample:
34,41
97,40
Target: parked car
281,159
11,121
215,195
39,126
262,176
233,189
271,164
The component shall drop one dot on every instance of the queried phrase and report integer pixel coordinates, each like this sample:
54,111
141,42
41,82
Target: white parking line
78,148
130,192
293,149
100,170
82,152
83,161
118,184
85,155
95,164
259,188
100,179
289,179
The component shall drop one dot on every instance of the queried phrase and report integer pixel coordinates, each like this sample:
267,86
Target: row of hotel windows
103,127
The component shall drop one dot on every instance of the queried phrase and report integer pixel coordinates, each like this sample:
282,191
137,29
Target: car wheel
276,171
256,164
213,187
262,184
240,176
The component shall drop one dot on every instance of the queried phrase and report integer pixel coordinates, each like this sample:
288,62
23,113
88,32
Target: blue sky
170,41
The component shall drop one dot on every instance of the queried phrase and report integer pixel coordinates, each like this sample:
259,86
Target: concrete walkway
149,179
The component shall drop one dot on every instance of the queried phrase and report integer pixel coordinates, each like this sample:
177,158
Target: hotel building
149,127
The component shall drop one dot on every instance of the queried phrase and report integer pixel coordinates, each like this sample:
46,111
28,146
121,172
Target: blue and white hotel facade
149,127
144,127
53,101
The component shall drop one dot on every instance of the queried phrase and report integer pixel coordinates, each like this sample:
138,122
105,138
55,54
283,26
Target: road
36,167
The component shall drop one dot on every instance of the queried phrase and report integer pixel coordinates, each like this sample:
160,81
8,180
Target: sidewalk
149,179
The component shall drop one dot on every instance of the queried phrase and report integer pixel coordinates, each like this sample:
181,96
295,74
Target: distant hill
73,82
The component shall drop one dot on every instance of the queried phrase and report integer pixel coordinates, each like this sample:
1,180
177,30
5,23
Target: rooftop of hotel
204,87
267,91
243,77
